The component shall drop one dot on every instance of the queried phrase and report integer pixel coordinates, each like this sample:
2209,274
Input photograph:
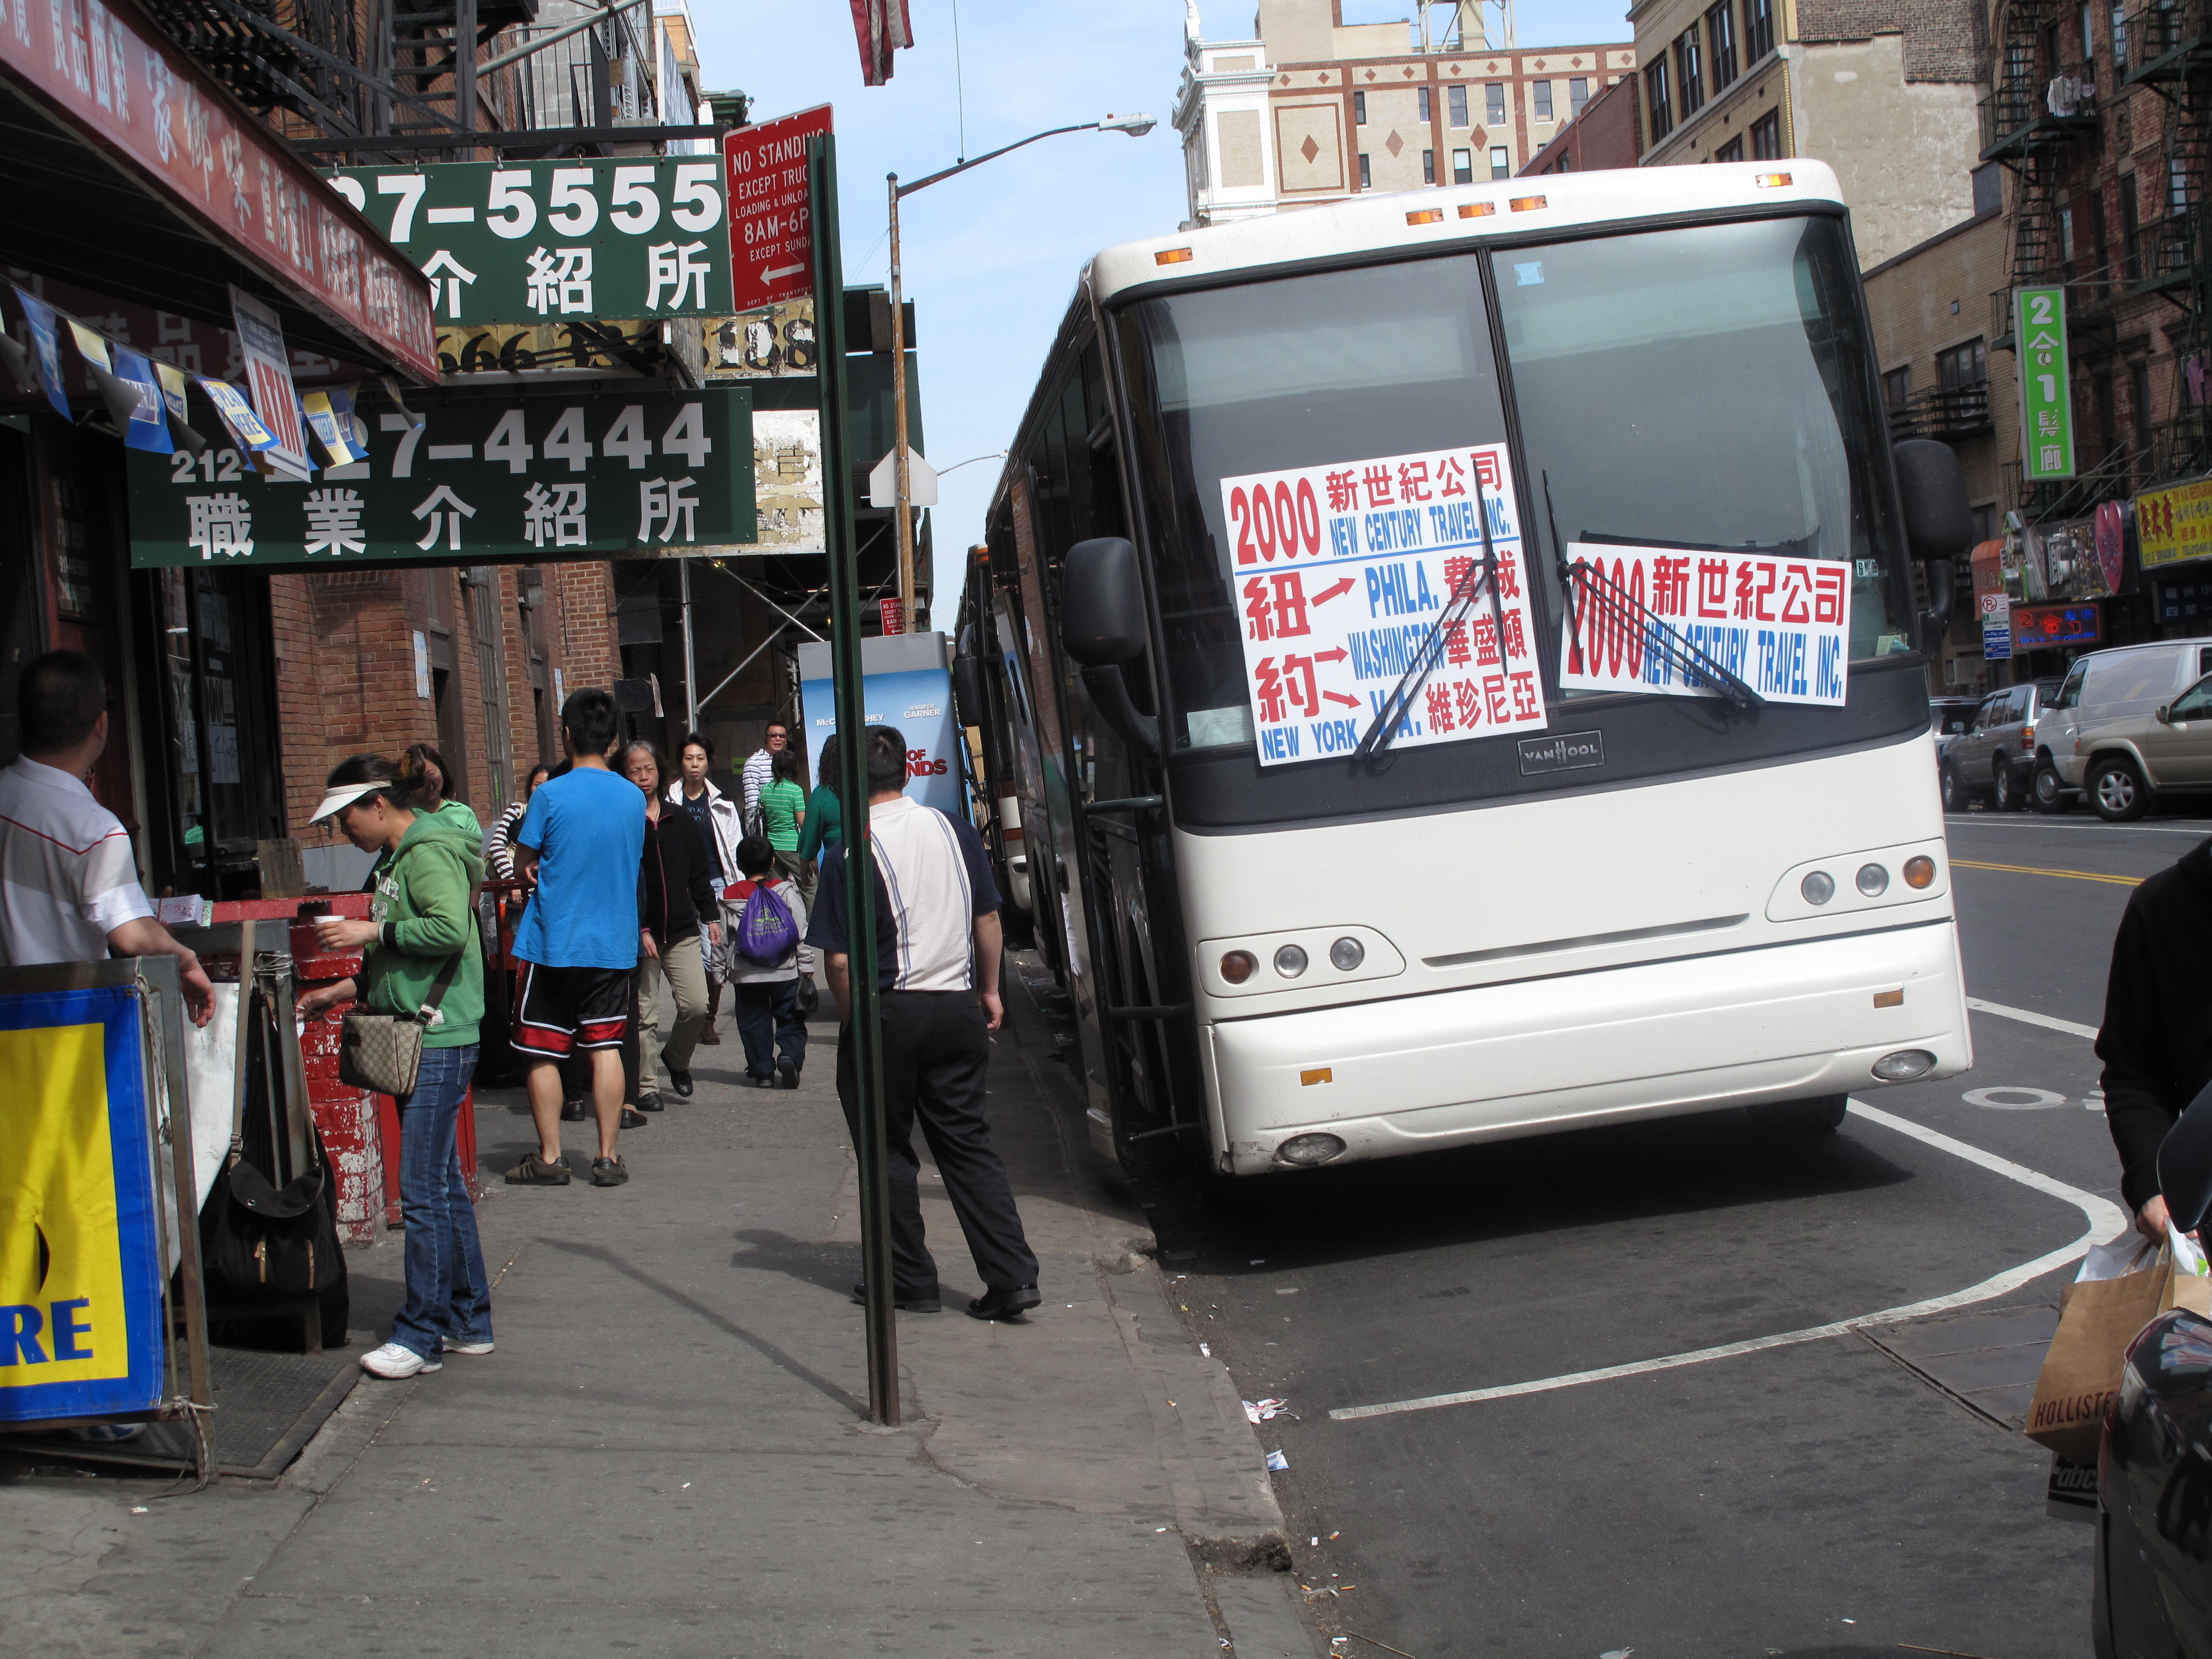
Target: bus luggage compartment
1654,1040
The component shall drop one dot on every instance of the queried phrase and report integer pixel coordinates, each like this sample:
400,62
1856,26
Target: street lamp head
1135,126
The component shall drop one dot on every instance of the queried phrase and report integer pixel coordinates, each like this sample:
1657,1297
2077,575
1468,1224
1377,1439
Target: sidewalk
669,1450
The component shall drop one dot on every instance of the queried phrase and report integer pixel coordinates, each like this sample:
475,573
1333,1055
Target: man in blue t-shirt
582,839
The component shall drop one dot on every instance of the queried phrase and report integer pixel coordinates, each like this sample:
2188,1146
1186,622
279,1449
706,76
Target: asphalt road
1811,1498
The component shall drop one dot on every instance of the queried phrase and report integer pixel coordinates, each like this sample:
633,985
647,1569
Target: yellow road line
2031,870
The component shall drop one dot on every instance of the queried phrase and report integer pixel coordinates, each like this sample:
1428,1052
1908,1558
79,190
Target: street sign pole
902,492
863,1026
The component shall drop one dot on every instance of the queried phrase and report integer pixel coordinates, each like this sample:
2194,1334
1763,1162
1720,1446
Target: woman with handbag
678,912
414,1036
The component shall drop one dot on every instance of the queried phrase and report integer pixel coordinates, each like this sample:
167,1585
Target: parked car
1995,754
1948,716
2103,738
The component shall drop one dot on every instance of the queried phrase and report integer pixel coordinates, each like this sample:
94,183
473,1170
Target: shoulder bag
384,1052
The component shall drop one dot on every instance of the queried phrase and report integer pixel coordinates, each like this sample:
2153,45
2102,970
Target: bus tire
1822,1115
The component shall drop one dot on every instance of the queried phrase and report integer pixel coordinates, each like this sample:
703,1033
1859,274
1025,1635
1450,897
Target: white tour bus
1445,668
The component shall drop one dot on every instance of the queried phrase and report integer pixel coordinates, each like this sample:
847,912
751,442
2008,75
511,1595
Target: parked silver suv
1995,754
2092,740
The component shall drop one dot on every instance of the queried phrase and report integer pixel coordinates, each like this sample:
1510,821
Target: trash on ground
1261,1411
1617,1653
140,1509
1278,1462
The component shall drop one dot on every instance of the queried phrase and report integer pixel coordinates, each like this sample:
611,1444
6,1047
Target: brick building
1608,133
1311,109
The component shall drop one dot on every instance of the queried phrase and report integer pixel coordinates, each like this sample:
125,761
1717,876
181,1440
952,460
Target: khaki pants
678,974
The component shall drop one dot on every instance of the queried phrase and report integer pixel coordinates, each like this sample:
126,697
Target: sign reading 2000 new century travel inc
536,241
470,480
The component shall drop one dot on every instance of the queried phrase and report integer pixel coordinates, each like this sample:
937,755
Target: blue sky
991,257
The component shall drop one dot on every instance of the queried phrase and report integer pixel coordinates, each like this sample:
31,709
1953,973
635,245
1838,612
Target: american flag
883,28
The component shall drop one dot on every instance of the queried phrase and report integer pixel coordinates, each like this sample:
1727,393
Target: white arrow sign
921,481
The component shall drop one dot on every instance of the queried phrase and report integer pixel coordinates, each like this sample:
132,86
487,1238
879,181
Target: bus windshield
1708,387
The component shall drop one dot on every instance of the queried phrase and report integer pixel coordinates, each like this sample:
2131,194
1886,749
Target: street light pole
1136,126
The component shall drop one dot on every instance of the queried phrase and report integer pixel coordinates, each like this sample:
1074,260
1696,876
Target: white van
2084,732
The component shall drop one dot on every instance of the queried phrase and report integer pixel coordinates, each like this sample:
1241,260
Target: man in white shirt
937,949
69,887
760,767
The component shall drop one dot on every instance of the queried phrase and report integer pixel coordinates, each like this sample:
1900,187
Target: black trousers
936,1052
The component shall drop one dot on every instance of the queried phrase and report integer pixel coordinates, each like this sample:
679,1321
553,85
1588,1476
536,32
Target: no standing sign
770,250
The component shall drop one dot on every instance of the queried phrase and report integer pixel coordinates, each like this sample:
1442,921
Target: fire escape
2040,119
2172,46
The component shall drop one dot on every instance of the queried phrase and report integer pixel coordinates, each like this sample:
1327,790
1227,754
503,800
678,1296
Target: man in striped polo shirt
938,947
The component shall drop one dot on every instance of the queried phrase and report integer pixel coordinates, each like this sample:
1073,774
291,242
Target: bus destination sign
1781,625
1343,571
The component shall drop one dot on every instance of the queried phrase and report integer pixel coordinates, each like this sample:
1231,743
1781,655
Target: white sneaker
451,1346
391,1362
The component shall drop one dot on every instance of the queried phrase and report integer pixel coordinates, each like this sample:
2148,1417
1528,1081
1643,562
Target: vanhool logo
1562,753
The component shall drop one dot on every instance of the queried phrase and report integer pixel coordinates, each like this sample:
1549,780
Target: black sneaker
904,1303
574,1111
608,1172
786,1075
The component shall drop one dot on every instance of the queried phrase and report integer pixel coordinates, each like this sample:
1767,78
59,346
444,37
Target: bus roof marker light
1291,961
1818,887
1315,1074
1477,210
1771,180
1530,203
1425,217
1920,871
1237,966
1173,256
1346,954
1872,880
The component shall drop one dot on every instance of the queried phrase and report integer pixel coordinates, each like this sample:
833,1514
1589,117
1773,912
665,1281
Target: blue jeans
448,1294
768,1020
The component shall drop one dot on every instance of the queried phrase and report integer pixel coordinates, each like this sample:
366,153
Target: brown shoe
708,1036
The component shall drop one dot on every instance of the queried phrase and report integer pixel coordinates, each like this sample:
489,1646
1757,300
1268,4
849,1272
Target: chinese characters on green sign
477,480
536,241
2046,404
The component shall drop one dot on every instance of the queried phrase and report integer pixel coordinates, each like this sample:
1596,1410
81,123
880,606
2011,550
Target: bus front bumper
1418,1074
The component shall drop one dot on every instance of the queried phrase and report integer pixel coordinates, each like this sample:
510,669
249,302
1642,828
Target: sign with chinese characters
540,240
2039,627
2046,403
478,480
2174,525
1343,573
2189,601
771,247
1780,625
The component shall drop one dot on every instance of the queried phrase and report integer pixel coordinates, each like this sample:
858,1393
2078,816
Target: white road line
2029,1016
2106,1219
2037,823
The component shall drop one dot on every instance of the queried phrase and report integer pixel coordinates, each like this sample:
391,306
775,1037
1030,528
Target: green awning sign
479,481
2047,401
536,241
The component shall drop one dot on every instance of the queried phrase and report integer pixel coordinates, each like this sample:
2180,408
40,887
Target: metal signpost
2046,402
471,480
771,241
536,241
862,1015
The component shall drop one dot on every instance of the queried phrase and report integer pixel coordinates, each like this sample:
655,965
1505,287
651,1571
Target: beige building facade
1310,109
1883,91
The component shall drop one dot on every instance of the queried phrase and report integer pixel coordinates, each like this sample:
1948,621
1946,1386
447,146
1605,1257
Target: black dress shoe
634,1120
574,1111
904,1302
679,1081
650,1102
786,1075
1005,1304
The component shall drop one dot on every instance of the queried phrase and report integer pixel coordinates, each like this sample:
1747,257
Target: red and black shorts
558,1010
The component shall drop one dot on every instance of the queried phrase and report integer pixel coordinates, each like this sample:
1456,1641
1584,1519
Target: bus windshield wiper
1622,608
1390,717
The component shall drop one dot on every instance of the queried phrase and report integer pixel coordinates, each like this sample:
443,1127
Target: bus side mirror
1938,525
1101,614
967,690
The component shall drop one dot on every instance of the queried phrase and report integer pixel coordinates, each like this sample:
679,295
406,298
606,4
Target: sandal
535,1171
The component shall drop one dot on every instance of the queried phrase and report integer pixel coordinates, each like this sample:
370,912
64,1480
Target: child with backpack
767,958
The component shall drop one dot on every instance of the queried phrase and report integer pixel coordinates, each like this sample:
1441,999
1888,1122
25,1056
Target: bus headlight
1348,954
1290,962
1237,966
1872,880
1904,1064
1919,871
1818,888
1307,1151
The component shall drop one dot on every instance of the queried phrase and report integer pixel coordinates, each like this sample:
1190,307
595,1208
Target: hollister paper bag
2123,1287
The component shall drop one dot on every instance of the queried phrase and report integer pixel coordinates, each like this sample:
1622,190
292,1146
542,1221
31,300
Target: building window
1963,367
1462,167
1897,389
1656,100
1428,167
1758,30
2089,40
1542,94
1577,95
2120,37
1456,104
1720,38
1360,109
1766,136
2066,234
1501,164
1366,173
1426,104
1493,104
1731,151
1689,70
2130,228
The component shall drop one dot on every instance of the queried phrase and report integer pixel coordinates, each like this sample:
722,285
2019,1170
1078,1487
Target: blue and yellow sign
80,1256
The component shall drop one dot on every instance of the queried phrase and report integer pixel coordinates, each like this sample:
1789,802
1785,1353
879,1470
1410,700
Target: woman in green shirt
783,810
423,770
823,834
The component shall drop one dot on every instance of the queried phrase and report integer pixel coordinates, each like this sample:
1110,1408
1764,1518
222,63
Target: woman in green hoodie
421,926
